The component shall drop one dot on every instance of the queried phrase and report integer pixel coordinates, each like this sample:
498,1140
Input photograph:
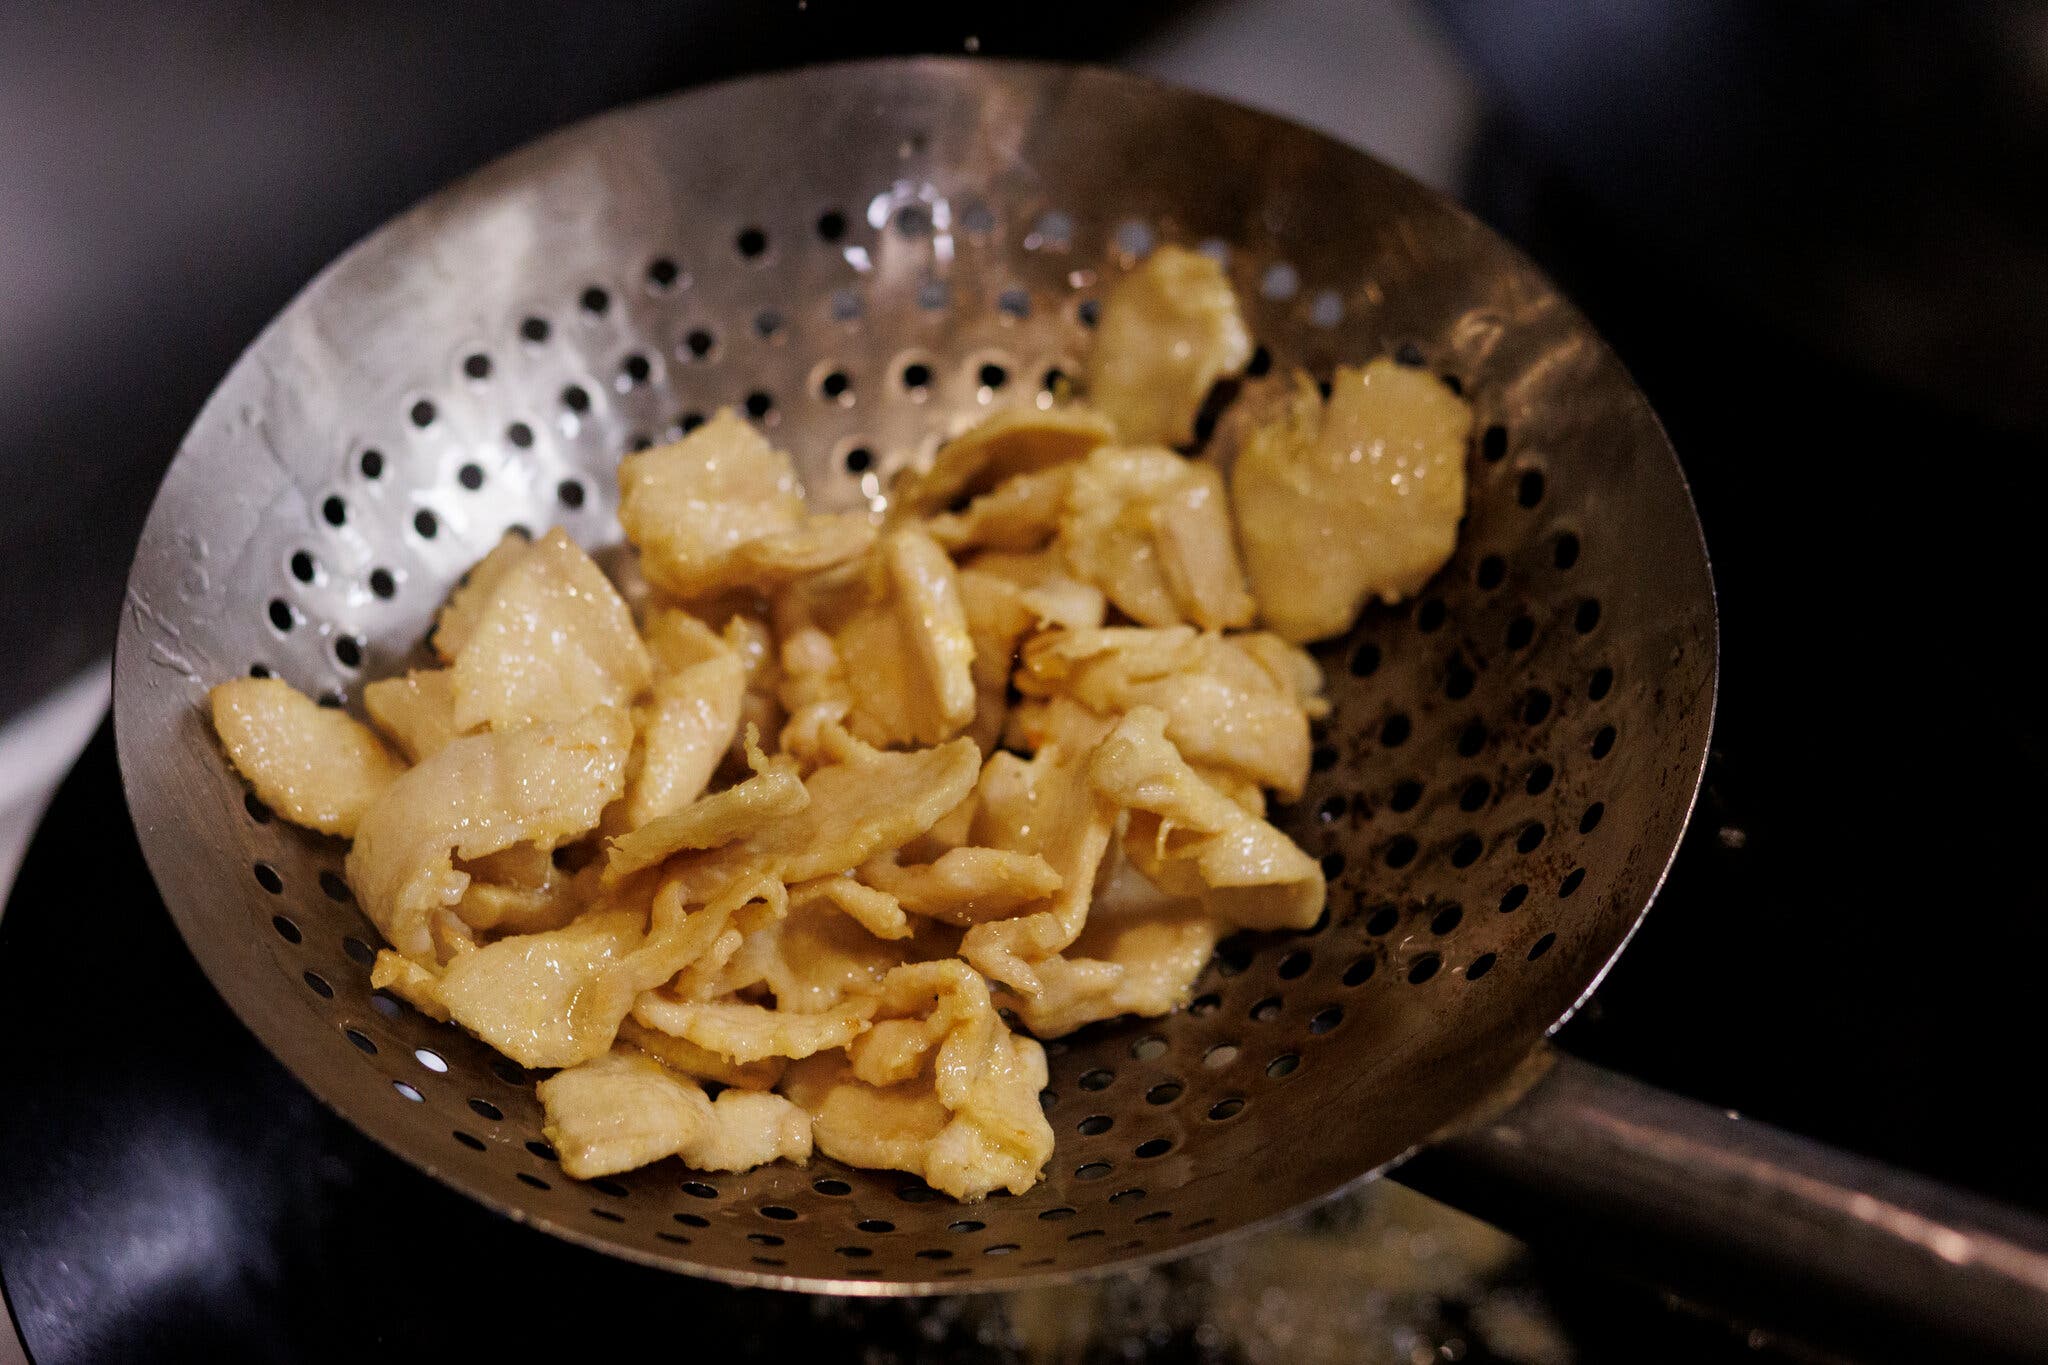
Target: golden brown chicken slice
965,1115
1008,443
1169,330
416,712
1224,706
1354,498
480,794
625,1109
551,641
1191,840
1152,530
314,765
722,509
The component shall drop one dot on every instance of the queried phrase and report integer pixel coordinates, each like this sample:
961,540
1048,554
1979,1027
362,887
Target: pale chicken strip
1044,806
1190,839
551,641
1354,498
1152,530
1169,330
1224,706
314,765
416,712
482,793
625,1109
722,509
1011,442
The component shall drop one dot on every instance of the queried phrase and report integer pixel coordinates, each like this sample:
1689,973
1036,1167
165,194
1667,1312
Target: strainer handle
1784,1232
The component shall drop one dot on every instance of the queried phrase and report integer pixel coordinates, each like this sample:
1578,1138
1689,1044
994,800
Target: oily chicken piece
1043,806
625,1109
741,1032
686,729
416,712
1152,530
774,791
1353,498
959,1105
1011,442
887,649
1189,839
1169,330
965,885
1139,953
1225,708
722,509
550,641
458,616
480,794
314,765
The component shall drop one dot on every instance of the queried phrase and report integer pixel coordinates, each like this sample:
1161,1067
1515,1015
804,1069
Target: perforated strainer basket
865,259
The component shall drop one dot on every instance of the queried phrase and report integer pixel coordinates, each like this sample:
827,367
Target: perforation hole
318,985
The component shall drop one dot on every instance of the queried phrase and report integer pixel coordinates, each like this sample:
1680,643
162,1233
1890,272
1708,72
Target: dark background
1815,230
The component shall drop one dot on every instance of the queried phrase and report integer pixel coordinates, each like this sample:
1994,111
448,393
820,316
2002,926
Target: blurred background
1815,229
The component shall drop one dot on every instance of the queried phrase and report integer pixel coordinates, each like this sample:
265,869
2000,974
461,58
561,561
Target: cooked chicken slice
416,712
1140,953
1011,442
552,640
745,1033
1224,707
482,793
459,614
721,509
1191,840
1047,807
1020,514
965,886
314,765
876,911
625,1109
688,1059
548,999
1354,498
969,1121
1045,588
773,792
686,729
1152,530
1169,330
900,660
815,959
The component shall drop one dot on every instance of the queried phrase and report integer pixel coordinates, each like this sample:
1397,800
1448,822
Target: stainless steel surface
1511,761
1722,1204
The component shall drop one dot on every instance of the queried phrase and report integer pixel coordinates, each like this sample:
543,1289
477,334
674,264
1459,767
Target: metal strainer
865,258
